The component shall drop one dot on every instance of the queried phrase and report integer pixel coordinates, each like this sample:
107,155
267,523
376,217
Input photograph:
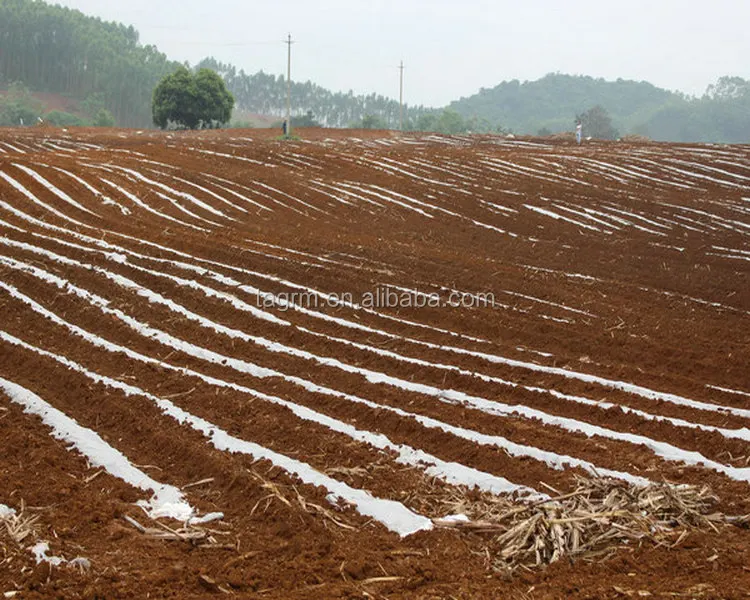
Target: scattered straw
19,526
348,472
196,535
311,507
277,493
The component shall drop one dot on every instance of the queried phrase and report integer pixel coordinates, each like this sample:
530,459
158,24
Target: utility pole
401,98
289,43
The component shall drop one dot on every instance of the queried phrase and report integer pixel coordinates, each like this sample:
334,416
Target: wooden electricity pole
401,98
289,43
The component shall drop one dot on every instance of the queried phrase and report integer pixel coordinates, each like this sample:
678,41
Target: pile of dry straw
597,517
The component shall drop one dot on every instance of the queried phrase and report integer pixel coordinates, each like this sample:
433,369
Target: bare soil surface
278,328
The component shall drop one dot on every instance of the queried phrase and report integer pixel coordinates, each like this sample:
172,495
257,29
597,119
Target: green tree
192,101
215,103
175,101
597,123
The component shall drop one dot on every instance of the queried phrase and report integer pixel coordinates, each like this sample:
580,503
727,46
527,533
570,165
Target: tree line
266,94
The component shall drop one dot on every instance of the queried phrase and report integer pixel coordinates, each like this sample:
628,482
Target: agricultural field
363,365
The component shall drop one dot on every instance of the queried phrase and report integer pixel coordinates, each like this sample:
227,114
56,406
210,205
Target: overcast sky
450,48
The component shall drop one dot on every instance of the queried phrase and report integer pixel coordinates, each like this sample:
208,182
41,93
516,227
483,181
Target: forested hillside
551,103
62,51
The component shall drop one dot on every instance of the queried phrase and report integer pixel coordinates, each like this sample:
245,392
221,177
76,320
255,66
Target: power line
219,44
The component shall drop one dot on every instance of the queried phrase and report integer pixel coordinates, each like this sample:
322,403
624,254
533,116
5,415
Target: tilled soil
508,314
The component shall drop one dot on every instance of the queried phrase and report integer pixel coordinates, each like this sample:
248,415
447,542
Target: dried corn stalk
597,516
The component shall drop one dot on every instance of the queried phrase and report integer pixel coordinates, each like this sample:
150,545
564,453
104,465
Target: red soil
660,299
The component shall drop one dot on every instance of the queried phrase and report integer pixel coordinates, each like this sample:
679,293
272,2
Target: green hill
551,104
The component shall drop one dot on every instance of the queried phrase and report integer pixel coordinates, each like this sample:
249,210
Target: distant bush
370,122
451,122
306,120
59,118
92,104
239,124
104,118
18,107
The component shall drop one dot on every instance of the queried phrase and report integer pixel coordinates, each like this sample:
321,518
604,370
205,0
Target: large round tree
192,101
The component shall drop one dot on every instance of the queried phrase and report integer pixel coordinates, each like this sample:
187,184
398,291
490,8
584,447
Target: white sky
450,48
